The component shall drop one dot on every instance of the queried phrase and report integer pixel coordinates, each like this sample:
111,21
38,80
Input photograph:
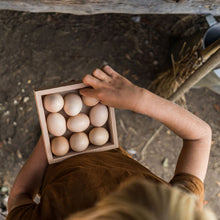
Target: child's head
142,200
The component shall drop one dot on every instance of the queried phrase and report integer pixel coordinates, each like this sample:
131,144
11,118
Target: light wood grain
70,88
86,7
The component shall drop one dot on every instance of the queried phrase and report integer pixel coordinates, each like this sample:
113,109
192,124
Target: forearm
180,121
114,90
29,179
196,133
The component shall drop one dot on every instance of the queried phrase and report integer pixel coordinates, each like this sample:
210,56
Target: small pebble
9,140
6,113
104,63
136,19
14,123
132,151
29,81
165,162
4,189
155,62
21,108
146,42
23,90
168,132
15,102
26,99
19,83
19,155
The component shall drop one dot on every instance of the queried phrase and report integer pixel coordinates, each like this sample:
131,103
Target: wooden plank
87,7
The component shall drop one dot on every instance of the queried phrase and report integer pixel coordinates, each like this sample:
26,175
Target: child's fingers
88,92
101,75
91,81
107,69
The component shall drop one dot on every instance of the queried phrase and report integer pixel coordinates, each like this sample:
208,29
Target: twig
144,150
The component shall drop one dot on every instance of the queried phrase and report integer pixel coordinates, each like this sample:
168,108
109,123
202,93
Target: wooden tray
42,113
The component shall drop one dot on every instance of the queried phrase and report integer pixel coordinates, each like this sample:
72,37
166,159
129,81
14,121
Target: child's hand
112,89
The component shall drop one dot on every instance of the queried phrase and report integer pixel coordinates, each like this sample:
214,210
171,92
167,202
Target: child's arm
29,179
116,91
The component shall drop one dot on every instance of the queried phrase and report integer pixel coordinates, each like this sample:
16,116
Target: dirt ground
46,49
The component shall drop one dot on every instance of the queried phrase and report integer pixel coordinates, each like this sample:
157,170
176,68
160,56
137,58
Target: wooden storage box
42,113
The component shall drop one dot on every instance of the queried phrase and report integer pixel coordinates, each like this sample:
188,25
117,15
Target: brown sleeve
23,212
190,184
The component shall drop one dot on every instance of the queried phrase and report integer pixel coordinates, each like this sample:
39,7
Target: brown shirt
79,182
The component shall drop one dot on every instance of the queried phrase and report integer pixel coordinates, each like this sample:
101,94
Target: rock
155,62
132,151
14,123
165,162
9,140
168,132
136,19
19,155
6,113
4,189
15,102
104,63
26,99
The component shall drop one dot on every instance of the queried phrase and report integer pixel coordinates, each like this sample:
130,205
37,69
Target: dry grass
169,81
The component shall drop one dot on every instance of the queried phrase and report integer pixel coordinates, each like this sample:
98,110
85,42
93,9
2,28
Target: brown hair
142,200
